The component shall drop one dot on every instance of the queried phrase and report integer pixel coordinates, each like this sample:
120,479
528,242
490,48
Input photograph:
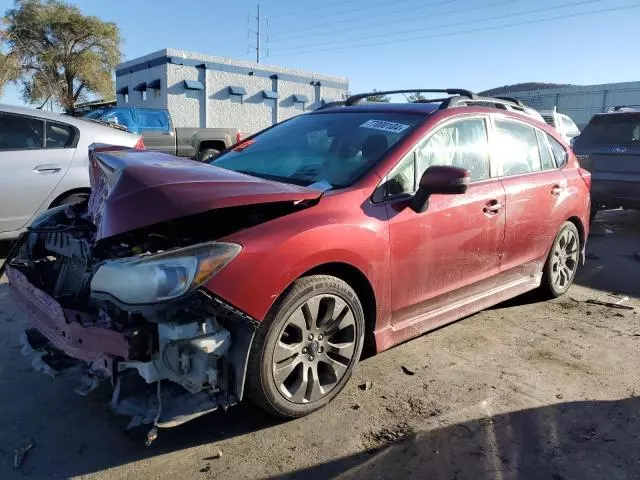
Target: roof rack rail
496,102
623,108
353,99
510,99
338,103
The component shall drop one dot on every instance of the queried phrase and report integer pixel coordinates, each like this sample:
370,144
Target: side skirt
416,326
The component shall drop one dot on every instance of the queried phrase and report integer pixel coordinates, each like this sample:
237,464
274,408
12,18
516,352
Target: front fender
272,259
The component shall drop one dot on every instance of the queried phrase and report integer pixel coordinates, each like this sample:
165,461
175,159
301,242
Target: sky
394,44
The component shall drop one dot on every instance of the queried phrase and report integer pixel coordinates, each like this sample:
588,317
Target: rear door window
515,147
18,132
612,129
153,120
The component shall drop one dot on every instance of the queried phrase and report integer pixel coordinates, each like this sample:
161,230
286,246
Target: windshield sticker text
385,126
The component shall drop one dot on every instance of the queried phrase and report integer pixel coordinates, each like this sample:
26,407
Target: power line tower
259,34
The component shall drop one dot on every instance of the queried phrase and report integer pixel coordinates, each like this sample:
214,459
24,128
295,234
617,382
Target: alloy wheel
315,348
565,260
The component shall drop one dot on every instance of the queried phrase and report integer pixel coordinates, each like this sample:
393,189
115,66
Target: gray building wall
581,102
215,106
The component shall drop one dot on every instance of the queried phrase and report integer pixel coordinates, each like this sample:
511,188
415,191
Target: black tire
206,153
326,293
71,199
560,268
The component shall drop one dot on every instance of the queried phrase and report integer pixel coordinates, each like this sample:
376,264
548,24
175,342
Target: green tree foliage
57,52
378,98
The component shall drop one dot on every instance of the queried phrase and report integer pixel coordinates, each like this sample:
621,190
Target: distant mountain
519,87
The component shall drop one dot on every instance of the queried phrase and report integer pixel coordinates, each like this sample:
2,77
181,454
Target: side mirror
442,180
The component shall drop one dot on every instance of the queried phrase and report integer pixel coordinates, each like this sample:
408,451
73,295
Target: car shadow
587,440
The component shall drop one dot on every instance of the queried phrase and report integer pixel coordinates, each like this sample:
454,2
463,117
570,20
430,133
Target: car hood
135,189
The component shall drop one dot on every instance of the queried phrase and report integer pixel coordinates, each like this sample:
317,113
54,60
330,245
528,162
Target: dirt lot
525,390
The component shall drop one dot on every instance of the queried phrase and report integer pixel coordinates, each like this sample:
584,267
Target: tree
378,98
415,97
57,53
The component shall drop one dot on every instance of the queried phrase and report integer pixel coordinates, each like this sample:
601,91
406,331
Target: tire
284,347
206,153
562,263
71,199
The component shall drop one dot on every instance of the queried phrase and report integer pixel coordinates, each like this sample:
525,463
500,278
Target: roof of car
419,108
57,117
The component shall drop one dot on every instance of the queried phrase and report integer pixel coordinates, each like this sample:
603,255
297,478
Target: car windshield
328,150
617,129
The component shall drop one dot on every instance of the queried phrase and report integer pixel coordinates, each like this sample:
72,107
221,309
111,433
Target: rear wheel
562,263
305,350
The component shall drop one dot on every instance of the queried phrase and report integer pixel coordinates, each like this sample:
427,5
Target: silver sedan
44,162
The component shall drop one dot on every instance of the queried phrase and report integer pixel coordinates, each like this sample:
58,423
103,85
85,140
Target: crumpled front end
130,311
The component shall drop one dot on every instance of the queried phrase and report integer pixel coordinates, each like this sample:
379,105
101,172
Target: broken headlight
163,276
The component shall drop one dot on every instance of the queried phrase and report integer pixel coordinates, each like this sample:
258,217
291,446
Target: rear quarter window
559,153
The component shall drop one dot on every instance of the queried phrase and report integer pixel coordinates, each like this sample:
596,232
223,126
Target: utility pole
259,35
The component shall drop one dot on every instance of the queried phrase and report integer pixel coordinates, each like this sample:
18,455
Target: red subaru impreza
189,285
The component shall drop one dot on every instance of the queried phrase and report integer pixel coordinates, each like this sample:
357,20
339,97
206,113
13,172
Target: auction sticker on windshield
385,126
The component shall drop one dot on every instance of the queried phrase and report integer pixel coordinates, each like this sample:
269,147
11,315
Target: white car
44,162
562,123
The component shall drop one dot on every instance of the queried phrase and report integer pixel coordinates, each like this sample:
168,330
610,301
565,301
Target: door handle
557,190
48,168
492,207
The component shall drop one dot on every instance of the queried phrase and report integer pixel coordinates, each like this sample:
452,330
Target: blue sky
385,44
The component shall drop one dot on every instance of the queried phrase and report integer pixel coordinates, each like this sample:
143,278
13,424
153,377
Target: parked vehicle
269,270
609,147
159,134
562,123
43,160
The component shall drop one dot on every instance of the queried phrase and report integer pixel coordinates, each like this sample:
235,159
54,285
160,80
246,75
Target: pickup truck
159,135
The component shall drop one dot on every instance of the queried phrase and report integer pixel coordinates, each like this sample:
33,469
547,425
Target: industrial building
205,91
578,102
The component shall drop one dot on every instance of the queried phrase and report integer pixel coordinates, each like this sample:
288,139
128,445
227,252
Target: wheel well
64,195
360,284
578,223
217,144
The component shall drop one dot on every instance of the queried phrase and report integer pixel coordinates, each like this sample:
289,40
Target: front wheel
562,264
305,350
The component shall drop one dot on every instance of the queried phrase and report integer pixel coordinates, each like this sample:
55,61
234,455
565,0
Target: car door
535,190
443,257
30,171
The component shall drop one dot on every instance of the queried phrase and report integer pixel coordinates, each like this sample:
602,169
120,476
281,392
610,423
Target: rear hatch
609,147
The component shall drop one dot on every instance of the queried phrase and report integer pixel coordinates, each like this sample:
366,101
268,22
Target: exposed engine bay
168,361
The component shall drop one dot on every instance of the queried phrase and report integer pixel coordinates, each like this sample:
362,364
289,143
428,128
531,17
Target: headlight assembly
163,276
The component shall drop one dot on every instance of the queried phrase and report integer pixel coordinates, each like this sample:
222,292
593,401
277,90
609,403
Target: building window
236,99
298,106
144,95
270,102
126,98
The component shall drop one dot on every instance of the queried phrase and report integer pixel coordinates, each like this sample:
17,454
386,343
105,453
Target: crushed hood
133,189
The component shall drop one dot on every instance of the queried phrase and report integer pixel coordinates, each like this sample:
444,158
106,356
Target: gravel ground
529,389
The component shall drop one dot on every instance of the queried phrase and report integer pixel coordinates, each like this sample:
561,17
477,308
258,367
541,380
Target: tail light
240,136
586,176
140,144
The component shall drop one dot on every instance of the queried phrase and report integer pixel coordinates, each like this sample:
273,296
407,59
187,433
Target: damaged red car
264,273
